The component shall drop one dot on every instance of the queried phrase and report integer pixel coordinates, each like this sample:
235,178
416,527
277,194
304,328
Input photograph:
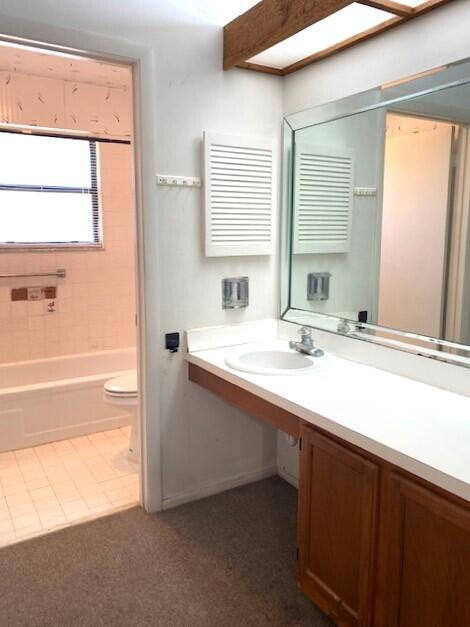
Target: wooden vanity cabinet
378,547
424,566
338,501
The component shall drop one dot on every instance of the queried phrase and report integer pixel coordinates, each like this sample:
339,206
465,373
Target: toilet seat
123,386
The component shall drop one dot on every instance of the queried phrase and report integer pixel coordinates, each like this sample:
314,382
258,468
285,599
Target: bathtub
61,397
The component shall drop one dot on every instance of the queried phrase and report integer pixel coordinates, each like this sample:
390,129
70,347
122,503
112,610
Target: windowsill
31,248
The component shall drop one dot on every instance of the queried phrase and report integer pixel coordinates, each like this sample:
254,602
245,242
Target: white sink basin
270,361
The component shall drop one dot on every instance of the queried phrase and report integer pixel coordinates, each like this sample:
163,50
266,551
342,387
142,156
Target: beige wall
56,103
95,307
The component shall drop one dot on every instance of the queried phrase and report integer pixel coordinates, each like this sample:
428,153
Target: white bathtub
61,397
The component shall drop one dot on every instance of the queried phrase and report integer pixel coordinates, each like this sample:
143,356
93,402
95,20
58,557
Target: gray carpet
226,561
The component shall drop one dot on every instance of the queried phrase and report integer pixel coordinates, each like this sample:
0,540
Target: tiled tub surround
61,397
47,487
418,427
95,304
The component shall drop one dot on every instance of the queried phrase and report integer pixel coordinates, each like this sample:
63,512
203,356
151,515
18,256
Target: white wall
435,39
204,442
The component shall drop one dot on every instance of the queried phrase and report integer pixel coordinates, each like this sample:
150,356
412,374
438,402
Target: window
48,192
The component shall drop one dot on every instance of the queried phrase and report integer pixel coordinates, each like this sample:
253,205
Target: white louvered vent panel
239,195
322,200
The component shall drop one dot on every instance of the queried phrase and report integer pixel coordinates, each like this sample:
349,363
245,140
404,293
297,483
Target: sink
270,362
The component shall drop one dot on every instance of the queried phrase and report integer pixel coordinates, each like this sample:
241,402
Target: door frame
141,61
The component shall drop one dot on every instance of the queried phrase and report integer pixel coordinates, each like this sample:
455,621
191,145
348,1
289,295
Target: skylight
348,22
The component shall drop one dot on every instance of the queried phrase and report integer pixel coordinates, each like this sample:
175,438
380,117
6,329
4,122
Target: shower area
67,289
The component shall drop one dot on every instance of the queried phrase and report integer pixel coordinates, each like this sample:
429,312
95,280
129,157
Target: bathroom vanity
384,489
376,249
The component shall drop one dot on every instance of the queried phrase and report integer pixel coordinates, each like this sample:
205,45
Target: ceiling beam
389,5
272,21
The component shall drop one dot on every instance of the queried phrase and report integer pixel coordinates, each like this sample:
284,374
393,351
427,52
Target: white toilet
122,392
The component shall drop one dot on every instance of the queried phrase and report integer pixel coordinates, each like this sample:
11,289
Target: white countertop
415,426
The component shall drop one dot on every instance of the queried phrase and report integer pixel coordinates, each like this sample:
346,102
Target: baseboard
294,481
214,487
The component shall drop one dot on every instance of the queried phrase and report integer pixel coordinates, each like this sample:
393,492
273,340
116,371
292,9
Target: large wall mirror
377,215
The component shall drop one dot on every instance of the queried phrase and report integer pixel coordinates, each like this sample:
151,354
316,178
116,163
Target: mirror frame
429,82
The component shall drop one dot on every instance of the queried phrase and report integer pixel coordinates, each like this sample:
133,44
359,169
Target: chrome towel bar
59,273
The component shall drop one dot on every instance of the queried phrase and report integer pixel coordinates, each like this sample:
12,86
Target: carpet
225,561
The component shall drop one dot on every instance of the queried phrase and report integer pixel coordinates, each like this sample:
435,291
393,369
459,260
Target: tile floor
55,485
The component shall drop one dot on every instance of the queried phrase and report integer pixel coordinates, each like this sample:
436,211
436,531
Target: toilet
122,392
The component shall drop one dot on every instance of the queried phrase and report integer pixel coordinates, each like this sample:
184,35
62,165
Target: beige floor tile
23,509
96,500
112,484
53,485
54,523
4,514
93,437
15,488
47,503
10,472
28,532
101,509
28,520
18,498
120,495
41,493
90,489
75,506
32,475
104,475
51,513
6,526
78,516
34,484
7,456
7,538
67,497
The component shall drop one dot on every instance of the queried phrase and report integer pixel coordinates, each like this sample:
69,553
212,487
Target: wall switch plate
172,342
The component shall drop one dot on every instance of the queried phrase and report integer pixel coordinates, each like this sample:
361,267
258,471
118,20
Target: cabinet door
338,494
425,578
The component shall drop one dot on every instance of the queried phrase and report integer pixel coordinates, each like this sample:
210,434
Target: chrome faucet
306,344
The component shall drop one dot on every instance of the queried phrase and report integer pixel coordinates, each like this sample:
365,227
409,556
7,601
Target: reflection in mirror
380,216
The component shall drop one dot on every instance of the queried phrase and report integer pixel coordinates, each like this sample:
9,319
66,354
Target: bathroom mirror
376,195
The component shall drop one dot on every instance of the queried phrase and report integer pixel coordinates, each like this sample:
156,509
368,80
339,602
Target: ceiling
283,36
62,66
100,16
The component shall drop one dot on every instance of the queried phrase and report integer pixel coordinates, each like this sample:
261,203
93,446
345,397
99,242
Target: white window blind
323,197
239,195
48,191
